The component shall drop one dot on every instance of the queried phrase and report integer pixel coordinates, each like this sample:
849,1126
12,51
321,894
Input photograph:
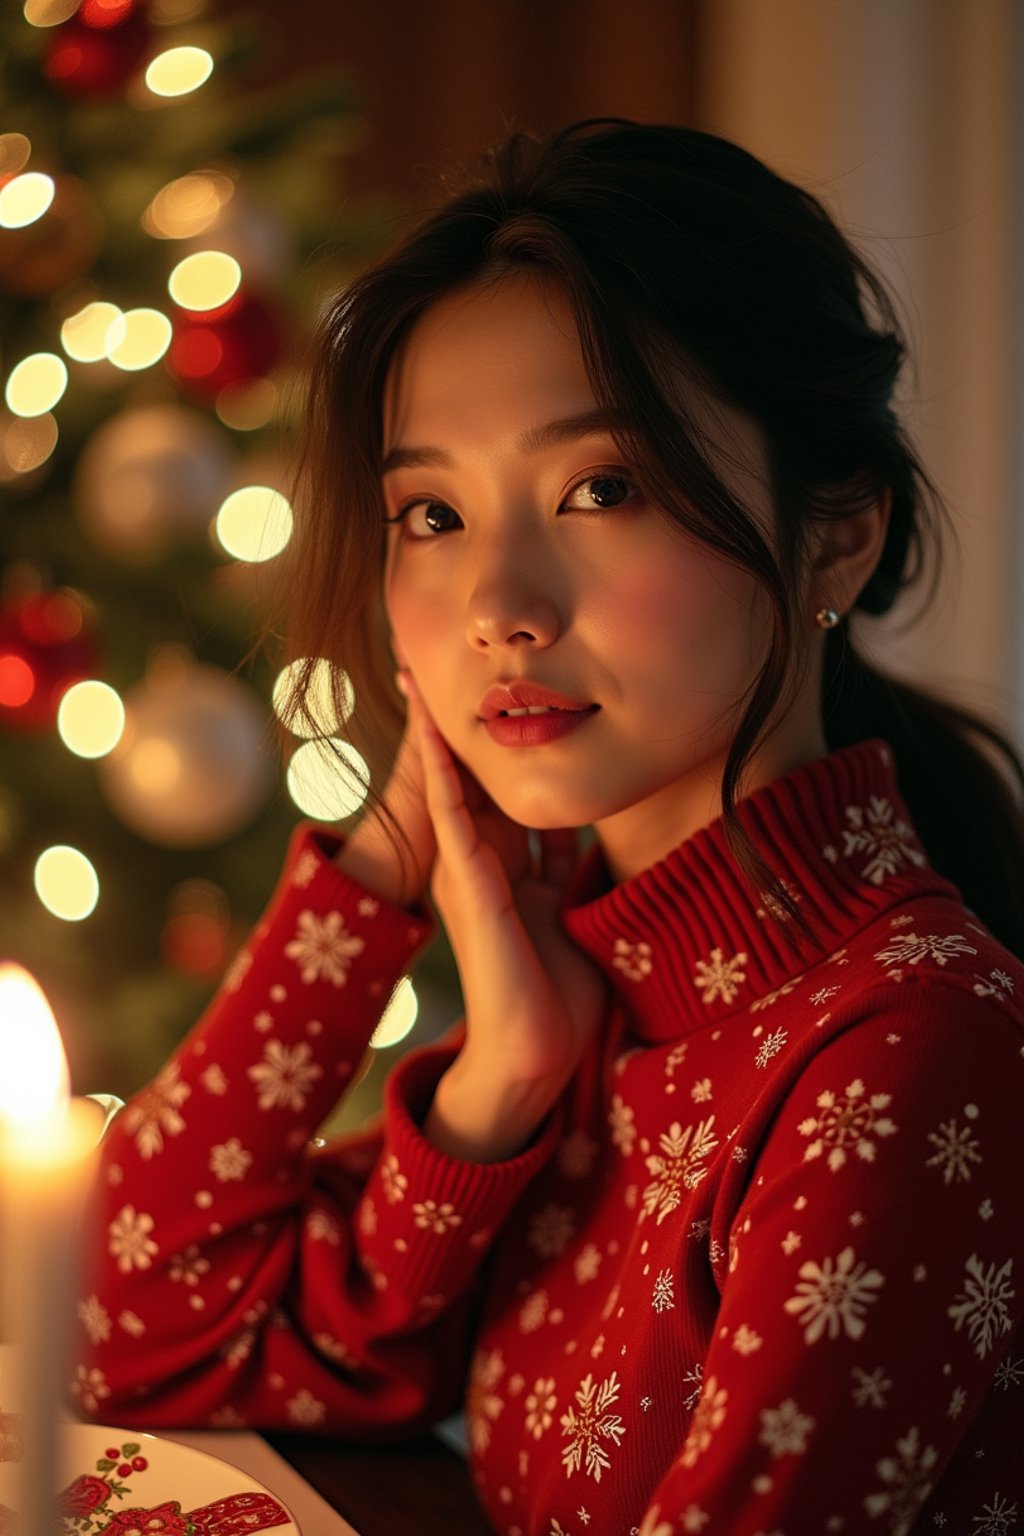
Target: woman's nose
509,606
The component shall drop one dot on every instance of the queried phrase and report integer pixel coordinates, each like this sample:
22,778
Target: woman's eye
424,519
600,492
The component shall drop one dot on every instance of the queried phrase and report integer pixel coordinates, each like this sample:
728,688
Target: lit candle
47,1148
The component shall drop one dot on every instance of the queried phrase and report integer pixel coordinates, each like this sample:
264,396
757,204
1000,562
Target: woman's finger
453,824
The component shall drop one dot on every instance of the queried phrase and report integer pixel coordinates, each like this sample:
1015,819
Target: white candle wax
47,1161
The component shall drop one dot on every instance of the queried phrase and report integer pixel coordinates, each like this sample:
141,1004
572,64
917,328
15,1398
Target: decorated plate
117,1482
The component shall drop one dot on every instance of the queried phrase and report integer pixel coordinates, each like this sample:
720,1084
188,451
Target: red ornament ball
45,645
98,50
242,340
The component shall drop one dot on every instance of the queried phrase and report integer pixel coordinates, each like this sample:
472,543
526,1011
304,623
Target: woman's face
526,553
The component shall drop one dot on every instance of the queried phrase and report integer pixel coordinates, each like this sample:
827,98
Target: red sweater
761,1272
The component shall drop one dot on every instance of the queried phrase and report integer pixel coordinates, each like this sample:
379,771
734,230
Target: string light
138,338
254,523
178,71
319,784
90,719
25,199
319,715
49,13
28,442
84,335
248,406
17,681
66,883
36,384
398,1017
188,205
15,151
205,280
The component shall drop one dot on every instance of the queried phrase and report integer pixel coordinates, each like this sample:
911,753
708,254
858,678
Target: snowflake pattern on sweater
762,1271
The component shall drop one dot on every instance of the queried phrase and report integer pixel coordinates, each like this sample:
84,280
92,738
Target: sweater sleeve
871,1281
241,1274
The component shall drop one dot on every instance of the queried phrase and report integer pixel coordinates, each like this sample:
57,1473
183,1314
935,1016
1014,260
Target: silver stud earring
827,618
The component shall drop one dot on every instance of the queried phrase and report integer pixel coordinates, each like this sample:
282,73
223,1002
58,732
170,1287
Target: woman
709,1209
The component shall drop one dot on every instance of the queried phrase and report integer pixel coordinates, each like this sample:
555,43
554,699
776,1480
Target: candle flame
34,1082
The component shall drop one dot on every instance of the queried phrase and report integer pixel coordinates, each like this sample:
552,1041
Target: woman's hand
533,1000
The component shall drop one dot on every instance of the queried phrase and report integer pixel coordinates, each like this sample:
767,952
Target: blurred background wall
326,125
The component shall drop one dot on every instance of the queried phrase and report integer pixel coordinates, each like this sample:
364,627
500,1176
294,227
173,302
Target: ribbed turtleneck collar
688,940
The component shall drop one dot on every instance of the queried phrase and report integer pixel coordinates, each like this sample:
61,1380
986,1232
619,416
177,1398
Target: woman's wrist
482,1121
370,856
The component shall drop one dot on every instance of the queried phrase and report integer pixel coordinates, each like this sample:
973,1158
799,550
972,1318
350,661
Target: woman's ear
848,552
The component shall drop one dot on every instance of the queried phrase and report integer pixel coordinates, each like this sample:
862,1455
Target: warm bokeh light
205,280
34,1083
171,13
25,199
28,442
15,151
177,71
247,407
188,205
254,523
138,339
17,681
320,717
90,719
36,384
66,883
398,1017
104,14
49,13
84,335
320,785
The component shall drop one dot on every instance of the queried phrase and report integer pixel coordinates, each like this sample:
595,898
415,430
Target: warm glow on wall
66,883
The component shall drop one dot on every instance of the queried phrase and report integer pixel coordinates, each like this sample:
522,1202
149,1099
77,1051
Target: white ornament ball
196,762
150,478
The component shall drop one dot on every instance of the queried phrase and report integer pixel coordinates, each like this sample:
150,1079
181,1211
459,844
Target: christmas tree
166,239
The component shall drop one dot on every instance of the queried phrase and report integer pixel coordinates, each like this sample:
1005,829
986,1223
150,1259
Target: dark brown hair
685,259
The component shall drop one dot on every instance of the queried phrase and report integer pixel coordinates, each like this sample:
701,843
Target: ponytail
968,811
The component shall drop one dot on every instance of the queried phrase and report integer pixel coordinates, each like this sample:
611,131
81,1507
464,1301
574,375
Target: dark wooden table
416,1488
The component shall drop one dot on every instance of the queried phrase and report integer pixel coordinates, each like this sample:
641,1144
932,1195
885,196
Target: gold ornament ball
150,478
196,762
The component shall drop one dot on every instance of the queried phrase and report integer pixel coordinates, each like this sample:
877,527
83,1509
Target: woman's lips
533,730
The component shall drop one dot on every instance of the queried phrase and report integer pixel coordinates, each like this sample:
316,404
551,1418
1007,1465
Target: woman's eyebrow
566,429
